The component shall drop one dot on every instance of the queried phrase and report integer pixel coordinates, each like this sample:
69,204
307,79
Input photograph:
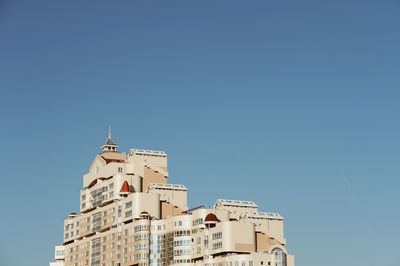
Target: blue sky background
291,104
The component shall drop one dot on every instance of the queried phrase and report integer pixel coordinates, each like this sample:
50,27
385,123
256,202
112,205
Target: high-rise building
131,215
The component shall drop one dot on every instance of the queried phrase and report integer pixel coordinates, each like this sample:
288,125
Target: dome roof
211,218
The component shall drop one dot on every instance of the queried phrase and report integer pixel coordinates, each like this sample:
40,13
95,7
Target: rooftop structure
235,203
130,215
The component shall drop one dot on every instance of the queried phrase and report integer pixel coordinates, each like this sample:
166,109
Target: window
217,235
128,204
119,169
141,247
128,213
279,257
59,252
178,243
141,228
198,221
181,252
96,222
219,245
182,233
140,237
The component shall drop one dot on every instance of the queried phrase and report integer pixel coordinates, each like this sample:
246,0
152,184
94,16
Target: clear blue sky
296,101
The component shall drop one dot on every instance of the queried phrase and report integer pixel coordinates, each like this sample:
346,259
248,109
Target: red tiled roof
112,160
211,218
125,188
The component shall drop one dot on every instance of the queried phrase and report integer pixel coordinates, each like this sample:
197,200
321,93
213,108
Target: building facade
130,215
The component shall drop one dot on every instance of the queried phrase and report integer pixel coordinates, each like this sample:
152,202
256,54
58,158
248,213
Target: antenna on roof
109,145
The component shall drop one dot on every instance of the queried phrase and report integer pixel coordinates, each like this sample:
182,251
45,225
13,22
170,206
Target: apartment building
130,215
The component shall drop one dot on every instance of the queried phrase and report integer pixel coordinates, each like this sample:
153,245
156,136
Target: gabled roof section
112,160
125,188
97,158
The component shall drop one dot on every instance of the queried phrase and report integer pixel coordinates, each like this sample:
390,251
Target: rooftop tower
109,145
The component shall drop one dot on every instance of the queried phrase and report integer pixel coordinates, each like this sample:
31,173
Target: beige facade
130,215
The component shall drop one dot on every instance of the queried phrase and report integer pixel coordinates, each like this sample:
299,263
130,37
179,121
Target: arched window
279,257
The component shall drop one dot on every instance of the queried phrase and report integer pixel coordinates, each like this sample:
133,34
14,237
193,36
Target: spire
109,145
125,189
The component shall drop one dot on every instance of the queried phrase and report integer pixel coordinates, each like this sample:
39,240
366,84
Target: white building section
131,216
